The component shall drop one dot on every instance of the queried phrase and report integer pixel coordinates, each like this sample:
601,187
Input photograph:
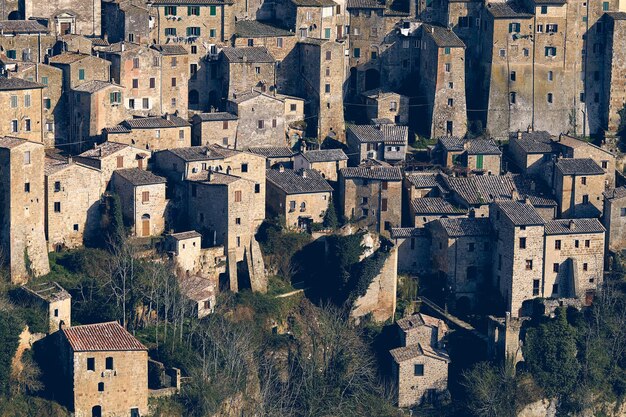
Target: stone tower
22,208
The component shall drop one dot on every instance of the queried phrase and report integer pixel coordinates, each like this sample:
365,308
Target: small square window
27,187
238,220
529,264
109,363
57,207
418,370
76,227
91,364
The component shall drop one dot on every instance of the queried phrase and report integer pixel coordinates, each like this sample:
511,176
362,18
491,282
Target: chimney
243,58
281,168
519,135
70,160
123,46
432,29
572,225
207,152
209,175
303,173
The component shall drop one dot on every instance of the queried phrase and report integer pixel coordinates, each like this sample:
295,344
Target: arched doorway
145,225
96,411
194,97
372,79
15,15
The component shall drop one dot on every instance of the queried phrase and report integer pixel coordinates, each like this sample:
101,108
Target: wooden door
145,227
66,28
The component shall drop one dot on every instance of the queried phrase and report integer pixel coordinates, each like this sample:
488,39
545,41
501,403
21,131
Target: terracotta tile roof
137,176
189,2
434,205
9,142
482,147
423,180
325,155
372,173
481,189
251,54
22,26
67,58
215,116
617,15
619,192
303,181
101,337
407,232
465,226
520,214
443,37
197,288
579,166
571,226
272,151
258,29
451,143
10,84
417,320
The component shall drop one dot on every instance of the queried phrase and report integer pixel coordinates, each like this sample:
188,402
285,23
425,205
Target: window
585,266
194,49
555,267
173,81
583,180
418,370
446,50
383,204
193,31
384,185
76,227
100,386
13,102
135,63
536,287
327,88
550,76
81,74
257,188
57,186
544,9
27,187
120,162
260,124
146,103
448,66
193,11
552,28
47,103
622,212
557,244
173,102
170,10
11,54
513,75
27,158
605,164
27,125
238,220
244,167
555,289
135,82
91,364
273,122
237,196
576,243
212,11
109,363
522,243
355,31
326,33
529,264
356,52
181,134
145,197
292,107
157,133
550,98
174,62
169,32
514,27
292,205
374,55
26,100
115,97
587,243
582,97
56,312
212,33
605,6
526,51
57,206
131,103
550,51
539,28
279,42
586,199
512,97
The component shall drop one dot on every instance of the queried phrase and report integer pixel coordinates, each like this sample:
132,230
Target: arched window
194,97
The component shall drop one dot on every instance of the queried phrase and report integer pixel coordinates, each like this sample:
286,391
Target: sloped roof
579,166
9,142
138,176
185,235
202,153
14,83
571,226
189,2
482,147
48,291
391,134
402,354
101,337
259,29
407,232
465,226
419,319
364,4
272,151
170,49
434,205
158,122
373,173
482,189
22,26
258,54
619,192
325,155
520,214
93,86
428,180
298,182
68,58
451,143
103,150
443,37
215,116
508,10
314,3
533,142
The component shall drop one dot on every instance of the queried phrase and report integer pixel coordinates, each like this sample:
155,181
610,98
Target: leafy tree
550,352
116,231
9,337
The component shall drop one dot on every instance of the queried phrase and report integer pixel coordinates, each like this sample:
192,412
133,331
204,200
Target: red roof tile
101,337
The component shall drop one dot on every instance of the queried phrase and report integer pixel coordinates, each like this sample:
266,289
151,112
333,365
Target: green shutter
479,162
447,50
188,31
112,97
81,74
212,10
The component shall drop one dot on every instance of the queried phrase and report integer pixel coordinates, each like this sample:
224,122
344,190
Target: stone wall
411,388
570,191
154,139
87,14
135,209
26,118
221,132
261,109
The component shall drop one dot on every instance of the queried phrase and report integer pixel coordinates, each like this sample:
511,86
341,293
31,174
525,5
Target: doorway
145,225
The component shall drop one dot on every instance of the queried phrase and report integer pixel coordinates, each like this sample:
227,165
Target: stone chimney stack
572,225
303,173
519,135
281,168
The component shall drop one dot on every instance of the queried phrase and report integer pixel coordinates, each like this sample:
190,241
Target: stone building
574,259
66,16
25,40
462,255
578,186
22,236
504,339
327,162
423,184
53,301
614,218
323,71
126,21
72,195
411,244
318,19
261,119
96,105
301,196
185,248
420,366
480,156
218,128
382,142
381,104
518,263
110,156
475,193
186,251
372,196
104,370
79,69
78,44
275,156
442,81
54,118
155,78
143,200
531,151
153,133
280,43
614,71
247,68
570,147
22,104
201,293
426,209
